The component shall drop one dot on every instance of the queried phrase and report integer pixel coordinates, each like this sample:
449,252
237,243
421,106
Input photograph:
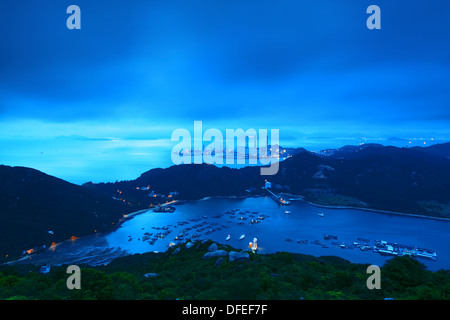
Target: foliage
185,275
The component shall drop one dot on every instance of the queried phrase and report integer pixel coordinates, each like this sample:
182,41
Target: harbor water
300,230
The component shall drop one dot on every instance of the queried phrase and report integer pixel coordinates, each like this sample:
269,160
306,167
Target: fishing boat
242,237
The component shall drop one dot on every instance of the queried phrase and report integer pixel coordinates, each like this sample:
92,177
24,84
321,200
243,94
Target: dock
278,199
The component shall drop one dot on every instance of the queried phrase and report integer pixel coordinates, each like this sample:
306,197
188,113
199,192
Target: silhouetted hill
440,150
409,180
33,203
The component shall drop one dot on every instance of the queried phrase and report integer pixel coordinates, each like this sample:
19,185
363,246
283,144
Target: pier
278,199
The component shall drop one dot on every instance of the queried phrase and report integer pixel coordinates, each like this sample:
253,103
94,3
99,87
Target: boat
321,214
242,237
228,238
287,212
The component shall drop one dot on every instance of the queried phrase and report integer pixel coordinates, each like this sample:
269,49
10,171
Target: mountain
408,180
440,150
33,203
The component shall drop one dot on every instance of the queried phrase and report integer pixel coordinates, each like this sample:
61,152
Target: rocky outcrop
219,261
214,254
238,256
212,247
189,245
151,275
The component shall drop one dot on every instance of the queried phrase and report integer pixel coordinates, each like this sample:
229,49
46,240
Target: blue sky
138,70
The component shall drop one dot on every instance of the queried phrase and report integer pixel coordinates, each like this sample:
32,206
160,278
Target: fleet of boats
379,246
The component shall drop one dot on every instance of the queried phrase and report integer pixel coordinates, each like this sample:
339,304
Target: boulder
151,275
189,245
213,254
212,247
234,255
219,261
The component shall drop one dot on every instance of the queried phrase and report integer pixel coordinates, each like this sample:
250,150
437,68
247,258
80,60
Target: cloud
240,64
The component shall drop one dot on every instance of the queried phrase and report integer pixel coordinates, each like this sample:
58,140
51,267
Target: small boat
228,237
287,212
242,237
321,214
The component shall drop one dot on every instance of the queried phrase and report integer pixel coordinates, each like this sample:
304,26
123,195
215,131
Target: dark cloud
314,61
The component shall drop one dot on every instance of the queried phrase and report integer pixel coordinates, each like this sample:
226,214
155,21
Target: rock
151,275
219,262
189,245
234,255
217,253
274,275
212,247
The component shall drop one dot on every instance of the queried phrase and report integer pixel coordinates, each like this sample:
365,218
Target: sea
300,230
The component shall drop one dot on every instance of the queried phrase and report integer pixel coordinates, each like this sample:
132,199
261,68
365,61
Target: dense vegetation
185,275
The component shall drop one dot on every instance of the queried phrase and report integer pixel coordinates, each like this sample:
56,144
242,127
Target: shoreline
377,211
301,198
106,254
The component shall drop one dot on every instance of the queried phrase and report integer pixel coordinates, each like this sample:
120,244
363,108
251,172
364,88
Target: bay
300,231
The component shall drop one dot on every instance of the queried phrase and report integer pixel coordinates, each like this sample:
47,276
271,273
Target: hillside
194,273
415,180
33,203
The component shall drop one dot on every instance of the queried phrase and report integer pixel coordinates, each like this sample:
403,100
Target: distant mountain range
410,180
37,209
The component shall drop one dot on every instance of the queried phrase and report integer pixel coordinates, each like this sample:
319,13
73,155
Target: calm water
277,230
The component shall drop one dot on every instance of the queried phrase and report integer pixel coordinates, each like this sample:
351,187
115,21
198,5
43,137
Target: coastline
301,198
377,211
296,197
98,253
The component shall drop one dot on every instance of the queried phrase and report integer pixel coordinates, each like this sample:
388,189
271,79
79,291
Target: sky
136,71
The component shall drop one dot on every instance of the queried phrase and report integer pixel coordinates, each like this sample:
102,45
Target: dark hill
33,203
409,180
